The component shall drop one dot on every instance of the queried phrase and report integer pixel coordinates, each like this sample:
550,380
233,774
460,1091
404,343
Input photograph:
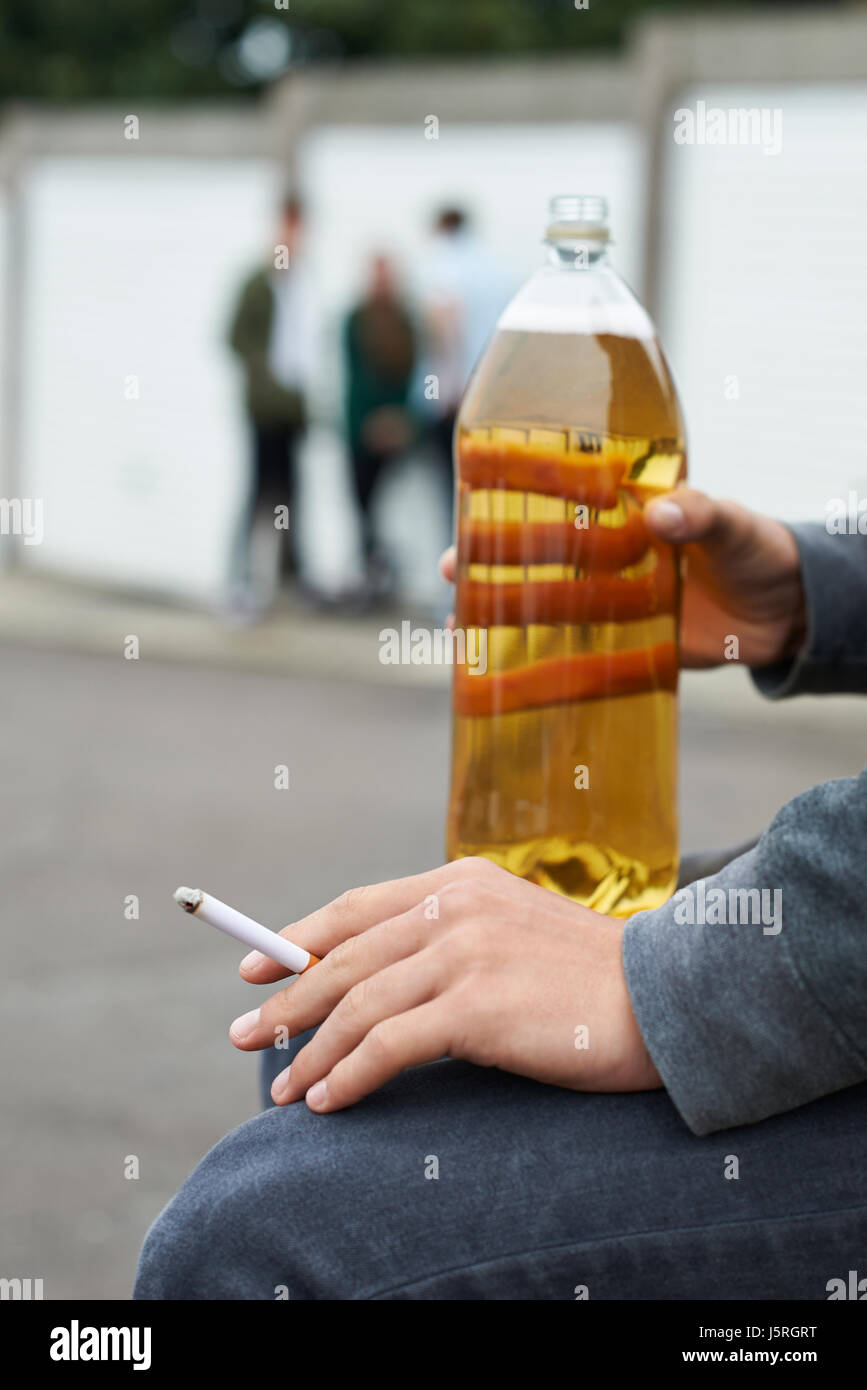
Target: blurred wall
377,187
7,442
763,298
130,424
126,261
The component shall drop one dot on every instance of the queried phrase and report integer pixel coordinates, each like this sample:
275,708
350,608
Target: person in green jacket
380,352
273,333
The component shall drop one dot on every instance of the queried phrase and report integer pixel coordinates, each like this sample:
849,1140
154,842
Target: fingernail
243,1026
253,961
669,514
317,1095
280,1085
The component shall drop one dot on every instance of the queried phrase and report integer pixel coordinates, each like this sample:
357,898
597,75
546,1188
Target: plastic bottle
564,746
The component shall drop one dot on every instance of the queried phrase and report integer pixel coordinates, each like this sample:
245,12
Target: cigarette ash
188,898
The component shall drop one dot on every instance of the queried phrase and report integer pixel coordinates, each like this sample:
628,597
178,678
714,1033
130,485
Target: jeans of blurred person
367,468
378,439
442,436
462,1182
273,483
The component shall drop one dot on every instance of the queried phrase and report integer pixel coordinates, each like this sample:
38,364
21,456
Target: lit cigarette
226,919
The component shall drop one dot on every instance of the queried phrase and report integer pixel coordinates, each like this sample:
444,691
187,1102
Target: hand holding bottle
743,578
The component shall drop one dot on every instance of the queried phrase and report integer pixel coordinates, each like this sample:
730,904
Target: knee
228,1232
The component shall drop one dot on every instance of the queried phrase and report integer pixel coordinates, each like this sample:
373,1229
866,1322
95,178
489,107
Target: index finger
355,911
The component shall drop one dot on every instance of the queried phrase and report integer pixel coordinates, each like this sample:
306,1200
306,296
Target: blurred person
274,333
463,292
379,345
560,1163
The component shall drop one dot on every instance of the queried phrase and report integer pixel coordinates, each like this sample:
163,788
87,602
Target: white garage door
764,298
132,265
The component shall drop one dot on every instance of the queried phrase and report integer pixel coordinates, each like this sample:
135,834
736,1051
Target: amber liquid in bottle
564,750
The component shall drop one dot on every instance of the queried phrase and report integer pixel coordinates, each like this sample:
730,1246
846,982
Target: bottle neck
576,253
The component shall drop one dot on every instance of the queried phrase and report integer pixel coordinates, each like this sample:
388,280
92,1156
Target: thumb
687,515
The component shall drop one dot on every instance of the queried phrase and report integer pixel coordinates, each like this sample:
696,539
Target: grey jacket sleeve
833,659
750,988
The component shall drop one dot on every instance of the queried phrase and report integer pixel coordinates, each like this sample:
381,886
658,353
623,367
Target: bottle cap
577,217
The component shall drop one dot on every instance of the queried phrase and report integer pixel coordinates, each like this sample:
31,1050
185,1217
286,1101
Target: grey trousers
463,1183
456,1182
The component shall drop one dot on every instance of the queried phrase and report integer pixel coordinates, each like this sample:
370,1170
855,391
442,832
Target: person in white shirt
463,293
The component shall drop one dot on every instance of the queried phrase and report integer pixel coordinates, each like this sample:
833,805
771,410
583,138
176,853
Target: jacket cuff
833,659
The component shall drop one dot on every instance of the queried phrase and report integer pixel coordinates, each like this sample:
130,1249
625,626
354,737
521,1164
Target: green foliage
87,50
